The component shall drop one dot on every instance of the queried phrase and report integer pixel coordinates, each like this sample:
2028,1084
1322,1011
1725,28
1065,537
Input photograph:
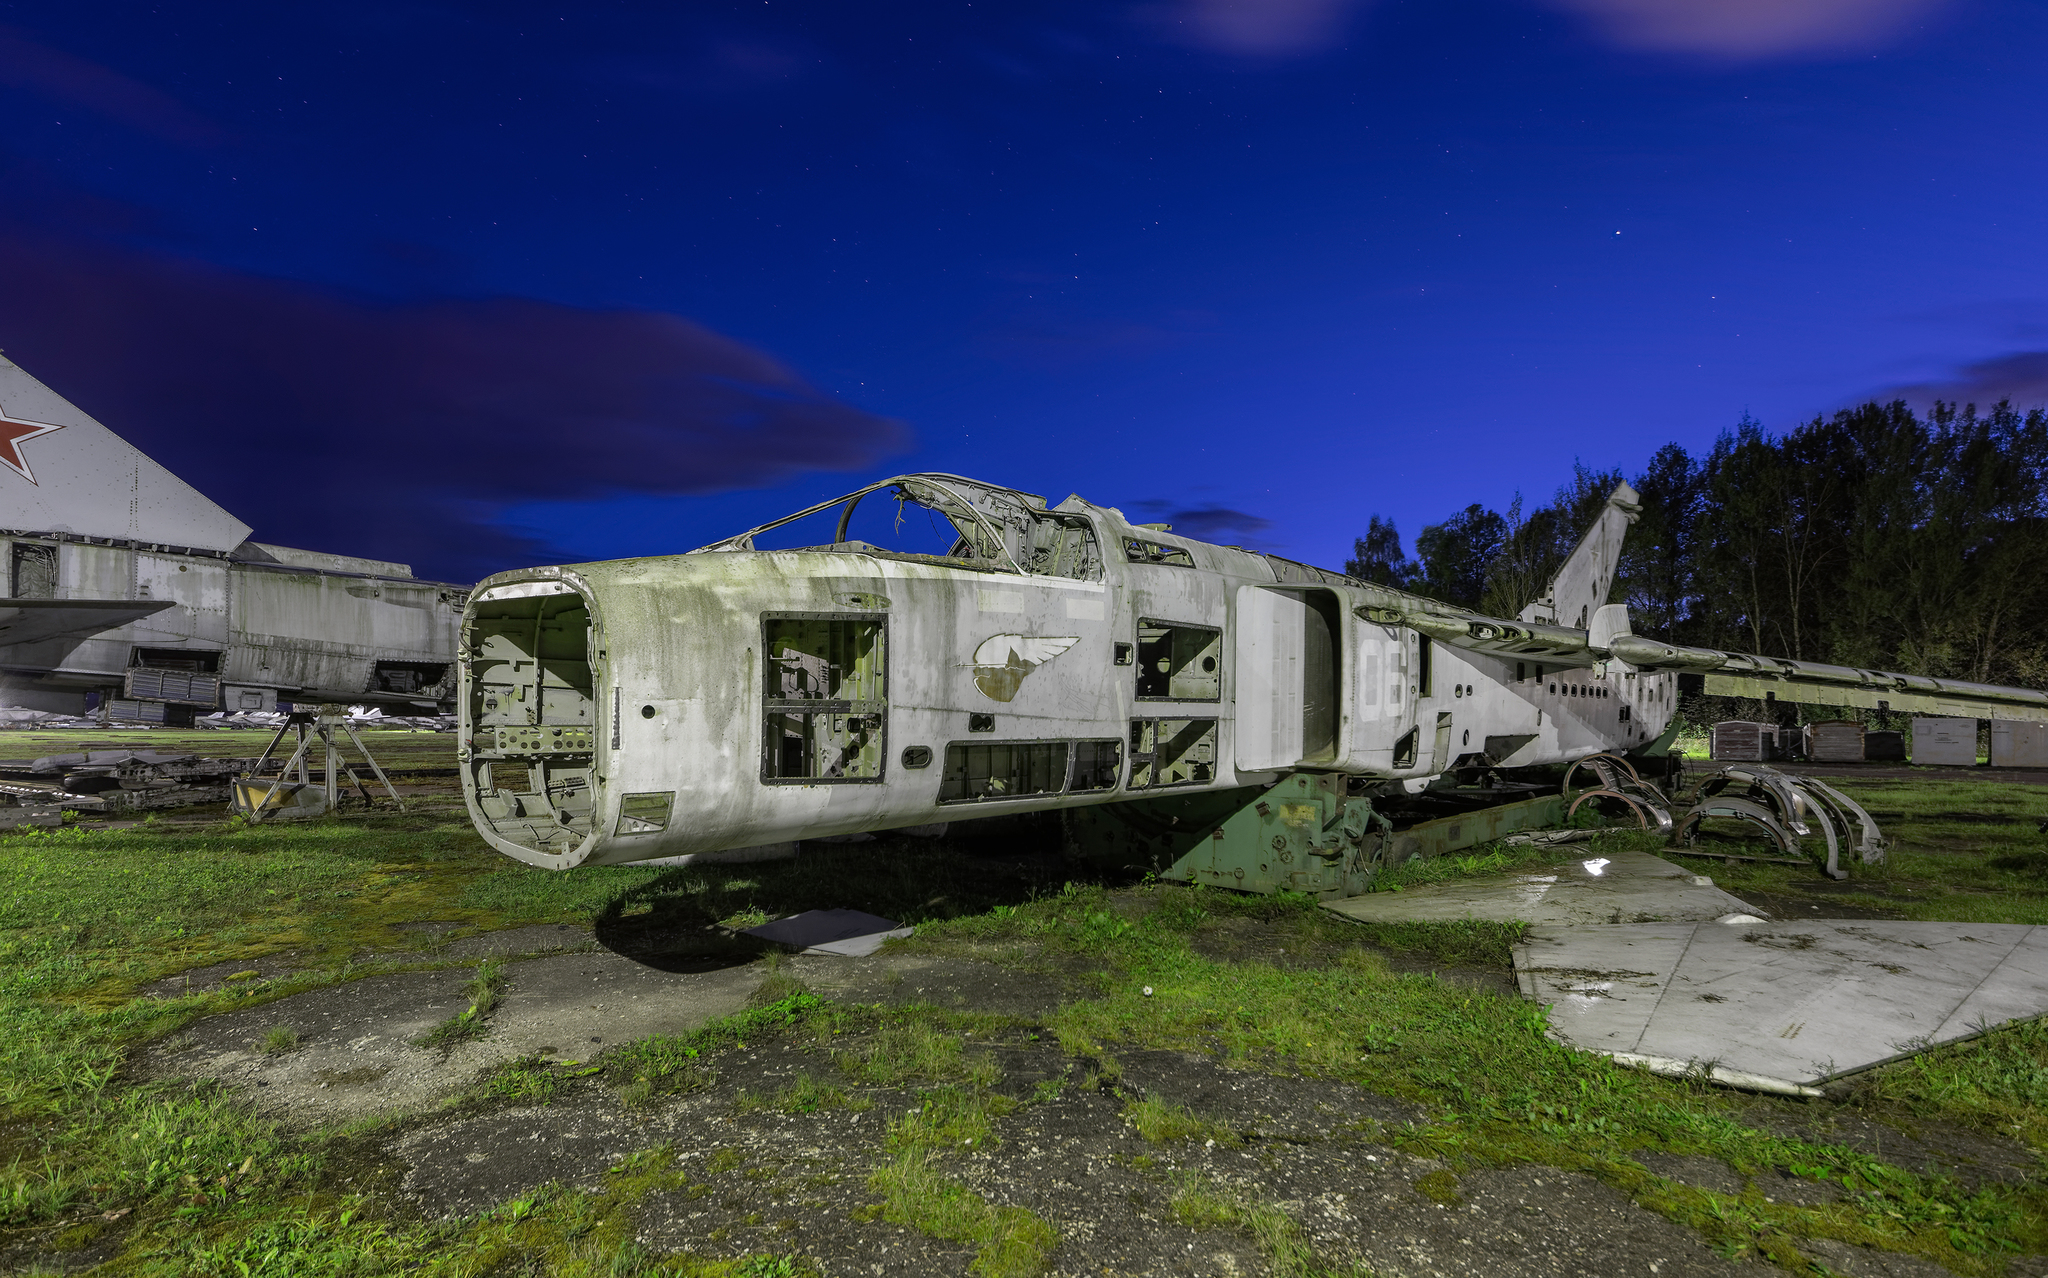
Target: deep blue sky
480,285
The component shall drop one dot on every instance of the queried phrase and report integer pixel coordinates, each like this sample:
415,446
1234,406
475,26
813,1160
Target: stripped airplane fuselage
619,711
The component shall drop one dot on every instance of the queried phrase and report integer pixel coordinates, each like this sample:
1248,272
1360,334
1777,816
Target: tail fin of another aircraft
1581,586
63,472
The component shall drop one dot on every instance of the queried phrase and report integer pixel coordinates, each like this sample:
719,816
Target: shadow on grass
690,919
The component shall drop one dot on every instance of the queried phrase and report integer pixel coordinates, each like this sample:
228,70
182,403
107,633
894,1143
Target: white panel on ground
1614,887
61,471
1797,1003
1269,645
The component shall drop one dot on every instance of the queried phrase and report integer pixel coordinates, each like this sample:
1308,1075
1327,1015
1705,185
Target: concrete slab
1781,1006
1616,887
358,1052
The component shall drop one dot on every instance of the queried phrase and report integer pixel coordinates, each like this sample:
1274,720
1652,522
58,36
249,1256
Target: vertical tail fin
61,471
1581,585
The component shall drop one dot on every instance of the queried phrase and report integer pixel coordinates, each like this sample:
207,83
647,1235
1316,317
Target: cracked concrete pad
752,1179
1864,1262
1617,887
1931,1148
575,1005
515,942
355,1055
359,1052
215,976
1797,1003
1268,1106
1691,1169
471,1166
1518,1222
956,983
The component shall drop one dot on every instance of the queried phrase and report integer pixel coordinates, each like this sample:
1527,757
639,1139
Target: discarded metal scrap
107,781
1619,782
1789,809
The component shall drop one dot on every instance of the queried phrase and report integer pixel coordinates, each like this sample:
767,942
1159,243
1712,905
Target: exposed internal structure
977,770
1167,752
1179,663
824,698
532,715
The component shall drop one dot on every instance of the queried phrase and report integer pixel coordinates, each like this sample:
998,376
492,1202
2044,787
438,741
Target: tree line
1878,537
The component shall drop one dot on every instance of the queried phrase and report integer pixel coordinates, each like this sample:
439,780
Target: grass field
191,1181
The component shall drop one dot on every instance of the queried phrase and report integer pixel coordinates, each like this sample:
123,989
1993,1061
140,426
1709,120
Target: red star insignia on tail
13,431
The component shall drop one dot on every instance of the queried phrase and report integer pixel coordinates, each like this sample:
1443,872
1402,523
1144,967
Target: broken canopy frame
1787,808
968,504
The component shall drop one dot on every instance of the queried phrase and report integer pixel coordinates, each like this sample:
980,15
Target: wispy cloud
1731,30
1749,29
60,77
401,430
2021,377
1043,338
1208,523
1268,28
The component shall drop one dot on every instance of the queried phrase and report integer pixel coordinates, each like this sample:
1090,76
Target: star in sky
13,431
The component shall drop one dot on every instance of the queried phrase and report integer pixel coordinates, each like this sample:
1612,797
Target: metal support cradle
289,799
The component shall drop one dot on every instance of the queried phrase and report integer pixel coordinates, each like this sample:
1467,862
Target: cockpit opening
944,519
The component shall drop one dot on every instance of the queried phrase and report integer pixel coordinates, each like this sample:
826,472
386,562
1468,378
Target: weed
1010,1242
1440,1187
1202,1204
526,1079
912,1050
807,1096
279,1039
485,991
675,1063
1159,1122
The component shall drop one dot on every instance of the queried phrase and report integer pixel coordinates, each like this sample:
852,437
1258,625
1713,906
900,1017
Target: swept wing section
1742,674
29,620
1728,674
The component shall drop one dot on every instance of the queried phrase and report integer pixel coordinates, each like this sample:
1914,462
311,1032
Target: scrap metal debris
1619,784
105,781
846,933
1789,809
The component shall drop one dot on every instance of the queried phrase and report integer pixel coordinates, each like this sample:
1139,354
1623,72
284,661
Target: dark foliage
1876,537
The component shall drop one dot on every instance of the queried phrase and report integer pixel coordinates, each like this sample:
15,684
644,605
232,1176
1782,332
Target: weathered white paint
90,482
674,645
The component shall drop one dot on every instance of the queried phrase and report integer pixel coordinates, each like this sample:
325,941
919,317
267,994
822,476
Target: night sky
477,286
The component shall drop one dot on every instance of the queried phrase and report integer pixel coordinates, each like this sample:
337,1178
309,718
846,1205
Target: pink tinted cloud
60,77
1741,30
1257,28
399,430
2021,377
1730,30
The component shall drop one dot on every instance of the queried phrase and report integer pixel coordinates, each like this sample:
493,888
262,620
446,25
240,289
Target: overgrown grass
89,917
1500,1092
1009,1242
486,989
1202,1203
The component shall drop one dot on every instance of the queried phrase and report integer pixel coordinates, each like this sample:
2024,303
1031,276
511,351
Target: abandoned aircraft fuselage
618,711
